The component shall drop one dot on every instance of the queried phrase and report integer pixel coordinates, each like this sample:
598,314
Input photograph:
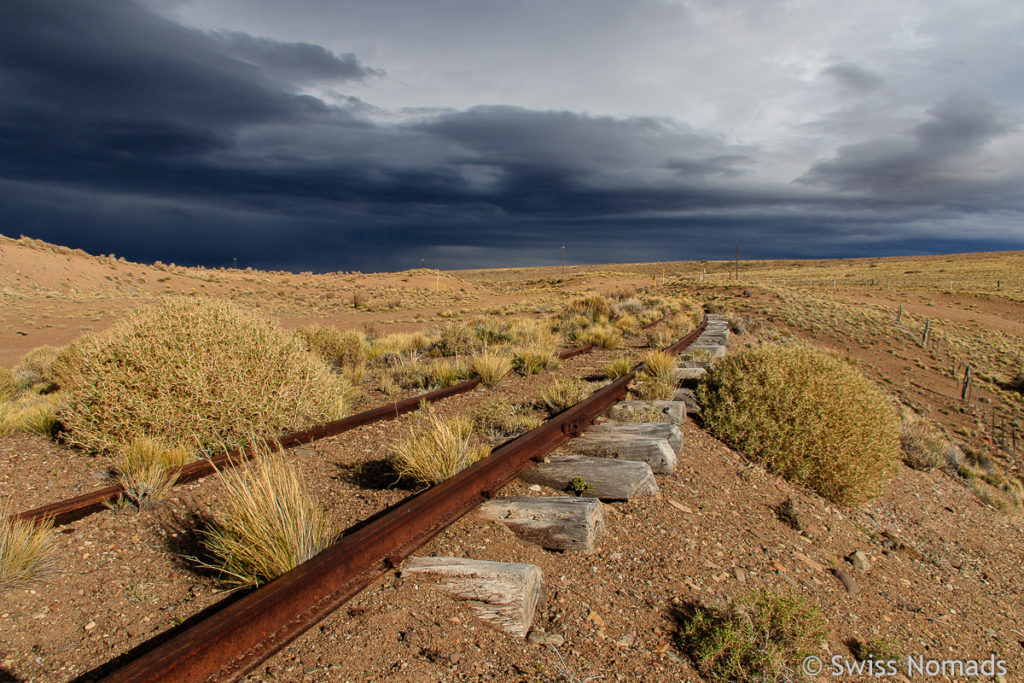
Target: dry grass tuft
437,448
759,637
658,363
500,420
144,469
601,335
194,371
269,524
563,393
9,386
534,358
26,550
617,367
34,369
490,367
30,413
807,415
653,388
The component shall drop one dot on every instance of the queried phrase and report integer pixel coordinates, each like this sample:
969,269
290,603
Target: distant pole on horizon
563,257
234,260
737,262
421,263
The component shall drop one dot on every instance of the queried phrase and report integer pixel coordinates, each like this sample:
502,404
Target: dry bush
437,448
444,373
658,363
490,367
757,638
145,469
923,446
453,339
269,523
807,415
595,307
400,343
657,338
532,332
9,386
340,349
627,323
34,368
617,367
196,372
563,393
26,550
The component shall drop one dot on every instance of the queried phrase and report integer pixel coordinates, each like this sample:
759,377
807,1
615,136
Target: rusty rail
73,509
233,641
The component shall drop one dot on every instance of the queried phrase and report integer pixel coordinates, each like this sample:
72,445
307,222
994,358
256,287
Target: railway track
233,641
73,509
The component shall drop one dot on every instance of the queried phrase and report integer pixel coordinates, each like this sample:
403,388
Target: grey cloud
920,161
295,62
853,76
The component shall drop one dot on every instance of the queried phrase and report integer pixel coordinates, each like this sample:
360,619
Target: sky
370,135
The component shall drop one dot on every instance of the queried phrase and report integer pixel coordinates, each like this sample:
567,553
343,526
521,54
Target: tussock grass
658,363
807,415
499,420
617,367
601,335
26,550
191,371
340,349
922,445
657,338
444,373
437,448
30,413
563,393
759,637
398,343
453,339
627,323
653,388
269,523
534,358
529,332
144,469
491,367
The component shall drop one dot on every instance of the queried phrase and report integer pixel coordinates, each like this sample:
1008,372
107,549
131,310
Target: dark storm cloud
121,130
921,162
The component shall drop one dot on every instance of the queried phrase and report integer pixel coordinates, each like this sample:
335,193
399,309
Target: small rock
859,561
848,582
304,452
90,626
539,637
739,574
535,487
627,640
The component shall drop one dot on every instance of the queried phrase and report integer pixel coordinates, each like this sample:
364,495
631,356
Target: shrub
563,393
627,323
922,445
658,363
648,388
9,386
269,524
144,469
443,373
454,339
617,367
596,307
437,449
26,550
805,414
490,367
339,349
35,366
194,372
760,637
657,338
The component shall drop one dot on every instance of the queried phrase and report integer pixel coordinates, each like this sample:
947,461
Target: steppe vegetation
26,550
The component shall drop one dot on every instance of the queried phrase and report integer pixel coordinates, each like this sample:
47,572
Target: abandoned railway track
234,640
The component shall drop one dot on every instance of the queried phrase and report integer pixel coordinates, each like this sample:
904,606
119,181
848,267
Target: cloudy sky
342,134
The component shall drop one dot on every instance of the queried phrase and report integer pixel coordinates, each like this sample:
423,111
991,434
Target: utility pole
421,263
563,258
737,262
234,259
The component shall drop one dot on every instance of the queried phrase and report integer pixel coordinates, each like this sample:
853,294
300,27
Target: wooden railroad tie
554,523
602,478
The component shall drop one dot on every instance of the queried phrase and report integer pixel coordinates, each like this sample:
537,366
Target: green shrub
807,415
196,372
759,637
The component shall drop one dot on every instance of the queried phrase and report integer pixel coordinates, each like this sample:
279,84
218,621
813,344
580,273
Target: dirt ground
943,580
